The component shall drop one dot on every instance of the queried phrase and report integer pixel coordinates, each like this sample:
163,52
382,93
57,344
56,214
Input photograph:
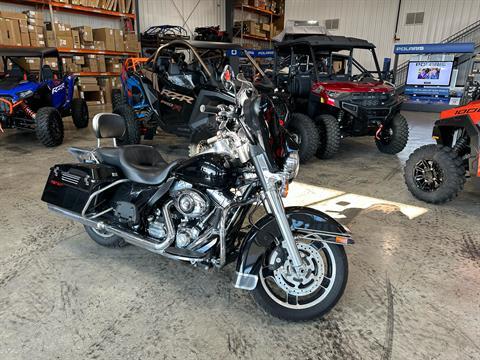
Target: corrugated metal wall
374,20
176,12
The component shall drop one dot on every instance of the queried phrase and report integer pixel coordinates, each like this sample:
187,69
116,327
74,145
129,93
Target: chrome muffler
144,242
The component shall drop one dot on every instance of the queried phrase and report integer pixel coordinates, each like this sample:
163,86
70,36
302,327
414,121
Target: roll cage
14,55
325,47
200,50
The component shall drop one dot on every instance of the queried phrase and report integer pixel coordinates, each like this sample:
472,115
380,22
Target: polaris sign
434,48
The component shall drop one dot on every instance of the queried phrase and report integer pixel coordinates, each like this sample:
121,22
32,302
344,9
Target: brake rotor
287,279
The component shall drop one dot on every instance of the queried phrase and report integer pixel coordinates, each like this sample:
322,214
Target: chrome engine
194,209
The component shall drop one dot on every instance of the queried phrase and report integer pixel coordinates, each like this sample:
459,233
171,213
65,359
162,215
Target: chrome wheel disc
428,175
294,291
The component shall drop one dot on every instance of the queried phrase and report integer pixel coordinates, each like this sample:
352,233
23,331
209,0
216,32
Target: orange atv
436,173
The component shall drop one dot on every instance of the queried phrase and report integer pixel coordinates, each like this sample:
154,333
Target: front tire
117,98
280,293
394,138
304,128
80,113
105,238
329,133
49,126
434,174
132,129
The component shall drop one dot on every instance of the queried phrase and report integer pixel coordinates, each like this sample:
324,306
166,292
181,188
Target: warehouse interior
376,103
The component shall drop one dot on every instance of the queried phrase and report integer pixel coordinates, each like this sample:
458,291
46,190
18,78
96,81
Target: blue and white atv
37,100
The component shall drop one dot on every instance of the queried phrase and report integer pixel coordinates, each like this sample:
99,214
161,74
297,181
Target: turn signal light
341,240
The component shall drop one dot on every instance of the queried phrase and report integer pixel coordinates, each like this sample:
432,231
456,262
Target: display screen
436,73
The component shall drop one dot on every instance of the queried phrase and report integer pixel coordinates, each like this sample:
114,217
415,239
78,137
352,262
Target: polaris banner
268,53
434,48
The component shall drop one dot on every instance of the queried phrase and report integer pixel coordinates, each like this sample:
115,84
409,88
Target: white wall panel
176,12
374,20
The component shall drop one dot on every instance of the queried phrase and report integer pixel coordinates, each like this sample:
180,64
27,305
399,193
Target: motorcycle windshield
266,127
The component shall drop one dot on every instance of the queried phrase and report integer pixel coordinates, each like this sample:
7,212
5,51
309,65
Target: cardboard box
102,67
119,42
106,35
132,46
52,62
86,33
51,42
99,45
265,27
37,43
34,14
88,80
25,39
35,29
13,32
65,42
89,87
91,62
4,39
78,59
13,15
23,26
30,64
35,22
76,39
93,97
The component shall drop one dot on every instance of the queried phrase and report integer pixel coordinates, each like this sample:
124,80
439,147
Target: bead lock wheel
428,175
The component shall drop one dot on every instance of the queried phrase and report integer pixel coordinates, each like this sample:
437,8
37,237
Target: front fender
262,237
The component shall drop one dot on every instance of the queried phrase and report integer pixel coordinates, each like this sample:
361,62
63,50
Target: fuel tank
207,170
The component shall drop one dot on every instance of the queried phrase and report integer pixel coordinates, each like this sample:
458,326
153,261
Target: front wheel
288,296
80,113
393,138
49,126
434,174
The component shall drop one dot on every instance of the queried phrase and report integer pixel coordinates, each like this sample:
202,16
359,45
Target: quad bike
436,173
37,100
195,210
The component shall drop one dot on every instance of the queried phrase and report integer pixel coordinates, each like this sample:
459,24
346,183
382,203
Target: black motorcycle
200,210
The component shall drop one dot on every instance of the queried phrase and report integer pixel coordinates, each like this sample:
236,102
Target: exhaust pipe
145,242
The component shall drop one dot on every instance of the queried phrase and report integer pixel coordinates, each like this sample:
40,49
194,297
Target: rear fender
265,234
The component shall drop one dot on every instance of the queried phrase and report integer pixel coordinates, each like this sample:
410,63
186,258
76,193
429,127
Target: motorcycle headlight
25,94
292,165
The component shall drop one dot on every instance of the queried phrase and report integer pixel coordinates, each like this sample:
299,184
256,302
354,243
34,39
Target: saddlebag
70,185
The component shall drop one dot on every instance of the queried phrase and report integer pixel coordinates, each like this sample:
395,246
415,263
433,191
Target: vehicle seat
16,73
47,73
139,163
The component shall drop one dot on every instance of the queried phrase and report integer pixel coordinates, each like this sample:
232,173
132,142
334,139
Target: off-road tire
329,134
450,164
304,127
80,113
132,125
117,98
317,311
200,134
49,126
108,240
398,139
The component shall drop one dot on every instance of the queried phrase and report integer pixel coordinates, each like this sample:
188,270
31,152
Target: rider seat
139,163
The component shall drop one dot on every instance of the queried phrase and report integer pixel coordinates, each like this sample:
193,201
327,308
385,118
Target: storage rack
83,10
255,40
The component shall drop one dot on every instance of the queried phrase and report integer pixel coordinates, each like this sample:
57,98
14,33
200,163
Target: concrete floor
413,290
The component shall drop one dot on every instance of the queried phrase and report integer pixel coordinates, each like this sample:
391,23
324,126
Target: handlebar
209,109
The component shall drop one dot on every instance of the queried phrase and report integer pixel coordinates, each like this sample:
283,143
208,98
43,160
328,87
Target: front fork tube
276,207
